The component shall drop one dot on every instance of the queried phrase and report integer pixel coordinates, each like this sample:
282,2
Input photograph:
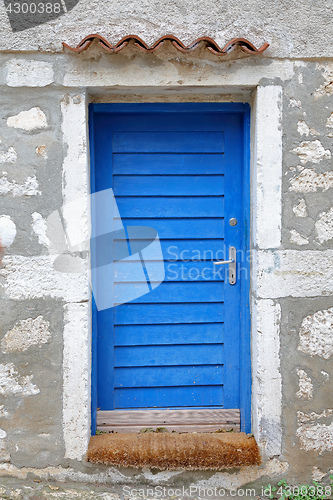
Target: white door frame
266,178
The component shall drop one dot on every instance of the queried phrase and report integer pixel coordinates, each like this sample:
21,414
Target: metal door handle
232,265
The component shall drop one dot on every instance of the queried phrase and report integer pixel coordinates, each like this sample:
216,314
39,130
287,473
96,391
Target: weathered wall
287,26
42,155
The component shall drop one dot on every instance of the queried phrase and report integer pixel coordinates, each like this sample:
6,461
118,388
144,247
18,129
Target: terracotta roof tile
210,44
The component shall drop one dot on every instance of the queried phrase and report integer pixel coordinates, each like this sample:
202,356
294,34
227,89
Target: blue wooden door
180,169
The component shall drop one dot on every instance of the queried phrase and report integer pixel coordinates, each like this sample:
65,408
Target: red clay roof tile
210,44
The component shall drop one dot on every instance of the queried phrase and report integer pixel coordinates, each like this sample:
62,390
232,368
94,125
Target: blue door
181,169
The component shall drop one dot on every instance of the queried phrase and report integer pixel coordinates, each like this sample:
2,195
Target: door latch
232,265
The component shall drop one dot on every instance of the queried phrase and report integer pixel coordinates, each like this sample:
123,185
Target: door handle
232,265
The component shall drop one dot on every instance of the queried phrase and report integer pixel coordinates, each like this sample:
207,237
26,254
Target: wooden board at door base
181,169
171,420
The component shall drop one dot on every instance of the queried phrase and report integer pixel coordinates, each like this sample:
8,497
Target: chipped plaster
33,277
41,151
326,89
316,437
294,103
4,454
13,383
305,385
32,119
317,474
329,121
304,129
3,412
300,209
7,231
28,188
324,226
312,151
297,239
40,229
9,156
26,333
308,180
316,334
304,418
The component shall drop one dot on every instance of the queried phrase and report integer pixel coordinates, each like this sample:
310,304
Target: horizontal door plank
167,164
131,271
169,292
168,185
131,314
170,206
170,376
200,333
167,396
163,120
167,142
203,420
171,355
194,249
180,228
176,428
